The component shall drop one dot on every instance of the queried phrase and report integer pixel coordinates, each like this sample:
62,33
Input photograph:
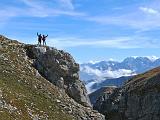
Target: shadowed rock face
100,92
61,69
138,99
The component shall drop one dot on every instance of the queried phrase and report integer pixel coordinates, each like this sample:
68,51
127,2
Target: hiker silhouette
44,39
39,38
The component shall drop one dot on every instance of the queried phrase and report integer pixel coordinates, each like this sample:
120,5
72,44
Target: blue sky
88,29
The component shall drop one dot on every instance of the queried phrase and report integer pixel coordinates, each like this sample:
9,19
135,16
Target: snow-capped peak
98,73
93,62
152,58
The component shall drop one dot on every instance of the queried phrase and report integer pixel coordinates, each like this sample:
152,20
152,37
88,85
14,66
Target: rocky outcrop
138,99
104,91
108,104
27,93
60,69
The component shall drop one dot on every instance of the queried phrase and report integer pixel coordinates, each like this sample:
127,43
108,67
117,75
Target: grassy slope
23,94
145,82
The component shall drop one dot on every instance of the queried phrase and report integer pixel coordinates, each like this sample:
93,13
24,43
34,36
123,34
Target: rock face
60,69
101,92
138,99
52,91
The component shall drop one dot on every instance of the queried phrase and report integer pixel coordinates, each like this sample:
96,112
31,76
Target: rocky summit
41,83
138,99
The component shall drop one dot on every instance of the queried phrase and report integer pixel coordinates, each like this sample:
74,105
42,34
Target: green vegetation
23,94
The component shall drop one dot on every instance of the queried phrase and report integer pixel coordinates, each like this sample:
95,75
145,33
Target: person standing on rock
44,39
39,38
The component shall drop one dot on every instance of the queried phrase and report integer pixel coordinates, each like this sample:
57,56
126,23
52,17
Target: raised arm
37,34
47,36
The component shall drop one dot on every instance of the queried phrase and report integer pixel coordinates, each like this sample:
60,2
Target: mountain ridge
99,71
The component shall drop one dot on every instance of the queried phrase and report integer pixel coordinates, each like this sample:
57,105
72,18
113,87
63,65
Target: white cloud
149,10
43,9
106,73
93,76
67,3
40,9
135,17
90,70
97,61
6,14
32,4
133,20
93,62
111,59
118,42
74,42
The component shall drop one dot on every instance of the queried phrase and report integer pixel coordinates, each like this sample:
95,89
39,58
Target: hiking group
41,38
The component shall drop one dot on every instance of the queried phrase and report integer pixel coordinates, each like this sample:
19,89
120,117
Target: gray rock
61,69
0,46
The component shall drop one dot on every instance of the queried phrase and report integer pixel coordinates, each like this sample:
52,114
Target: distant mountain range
103,73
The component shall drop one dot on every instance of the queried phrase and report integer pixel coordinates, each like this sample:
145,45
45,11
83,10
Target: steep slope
138,99
26,94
